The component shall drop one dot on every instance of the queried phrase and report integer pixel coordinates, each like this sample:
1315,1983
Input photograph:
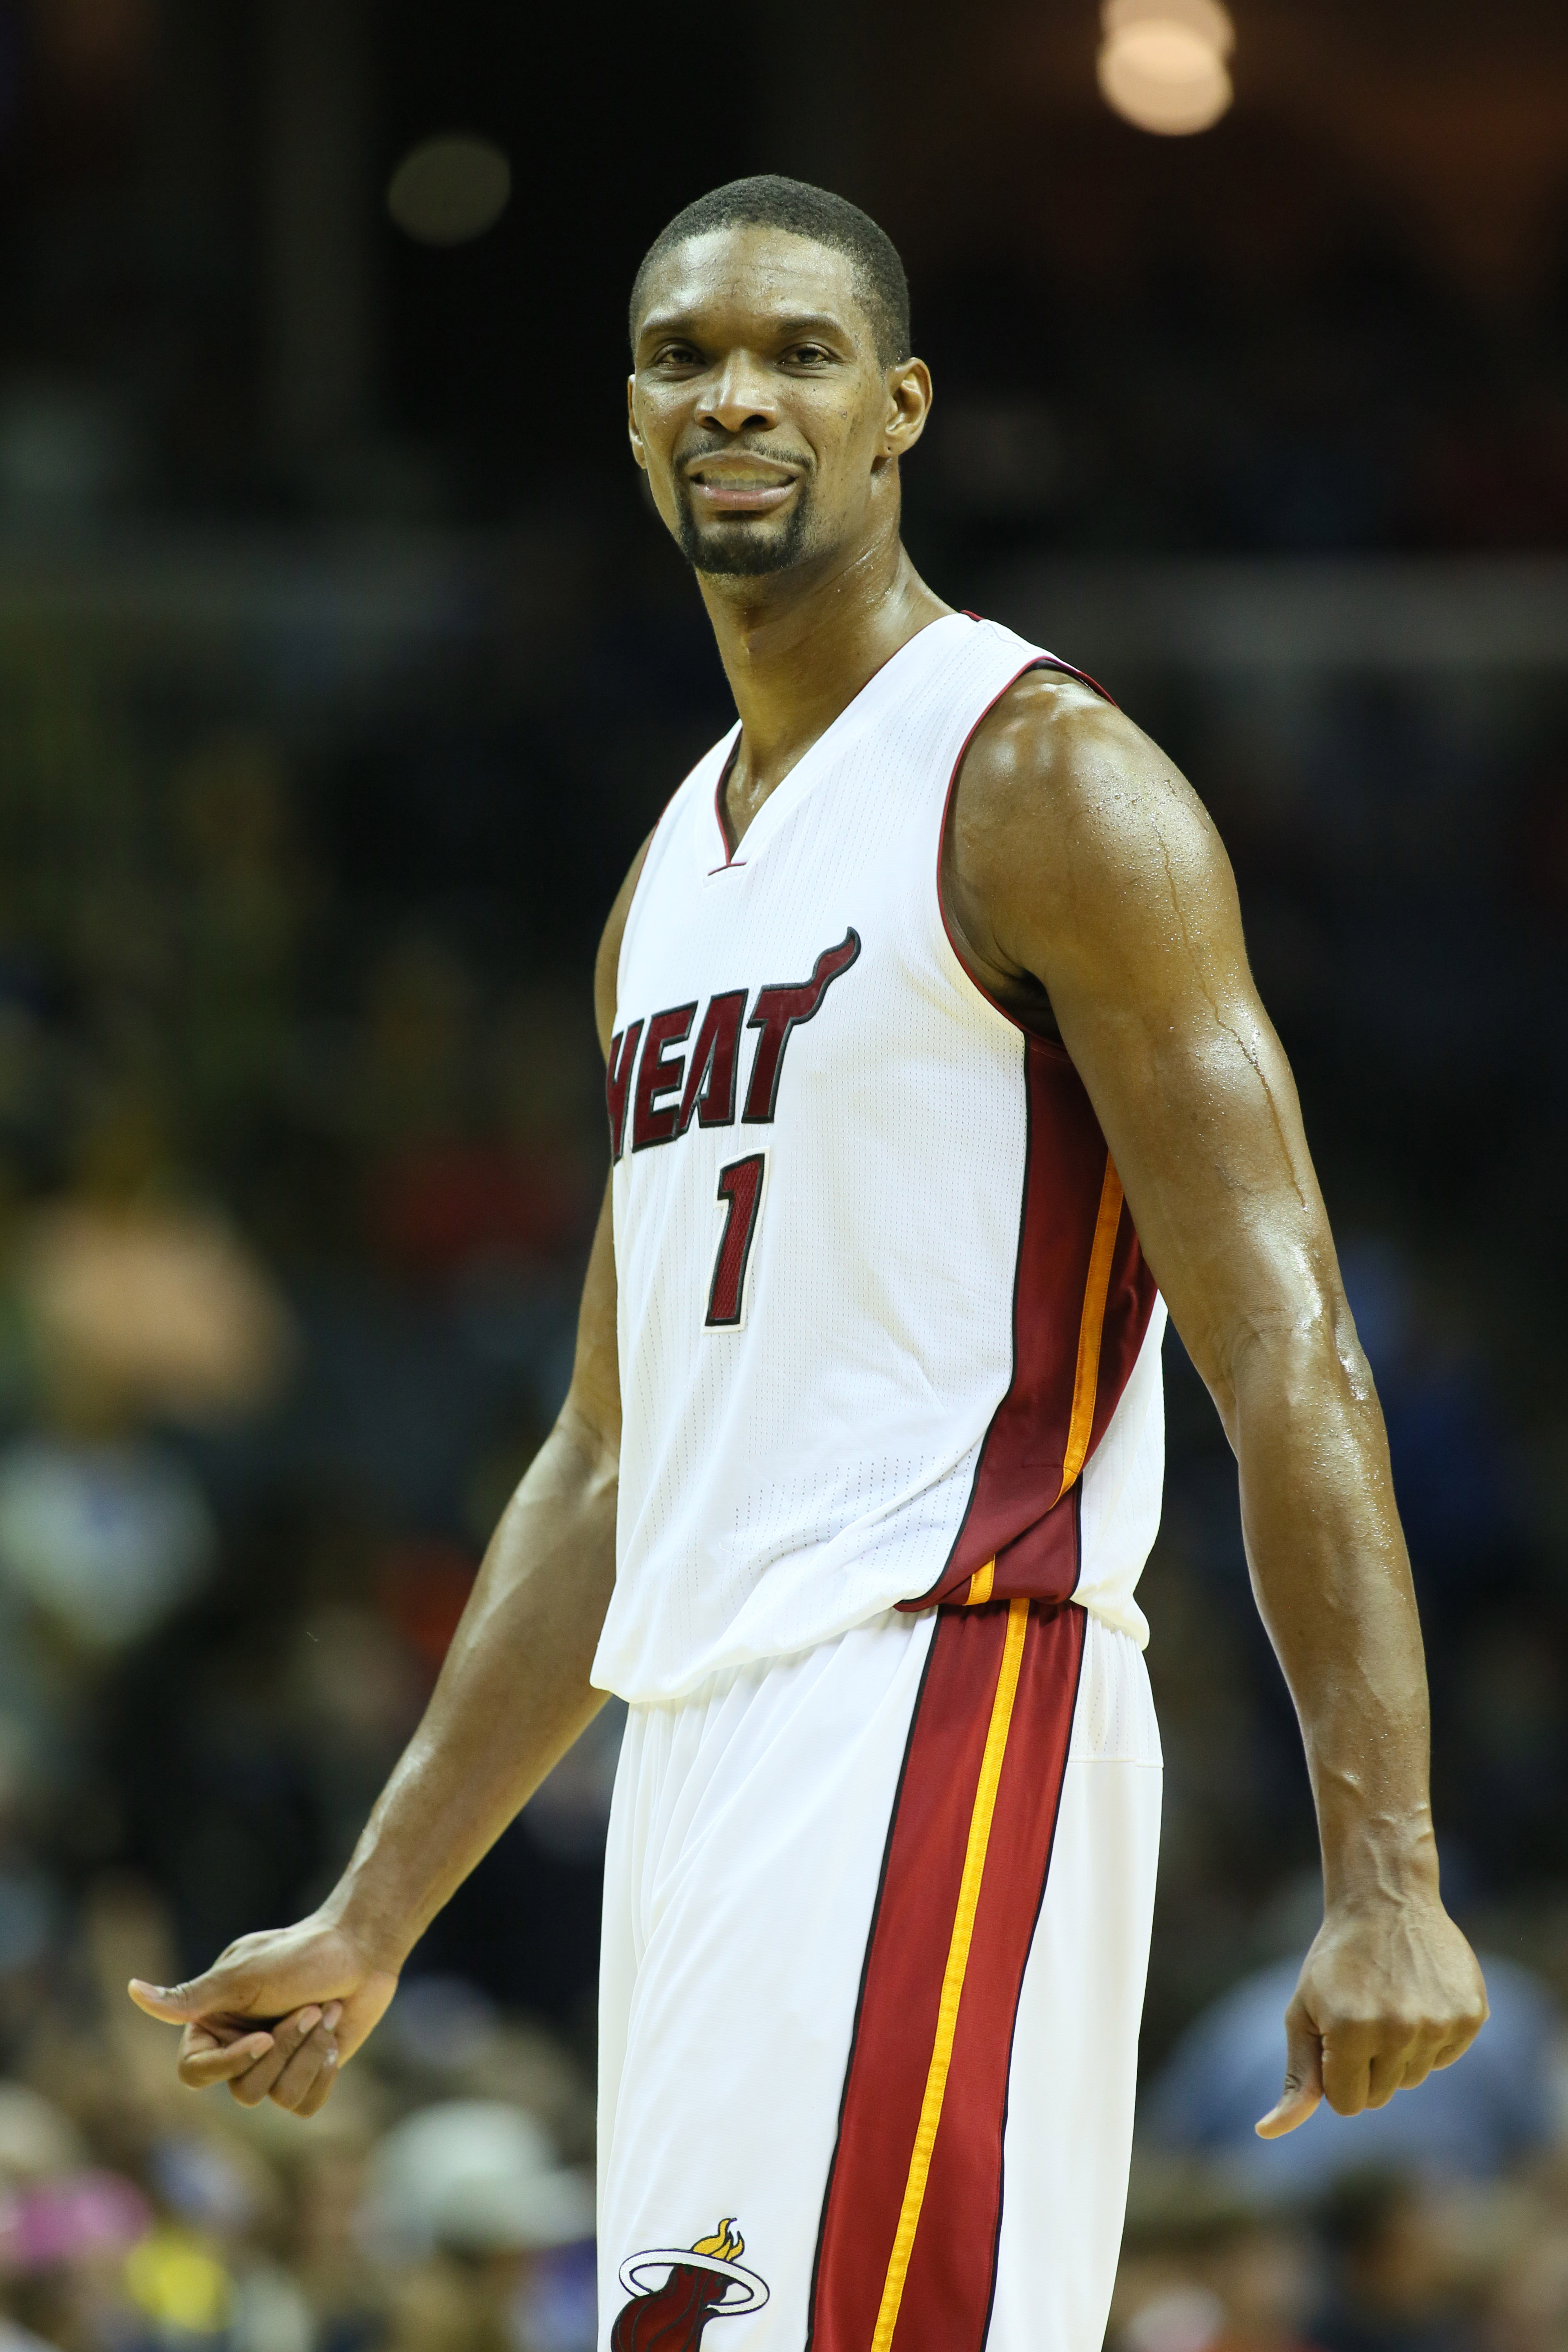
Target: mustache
738,444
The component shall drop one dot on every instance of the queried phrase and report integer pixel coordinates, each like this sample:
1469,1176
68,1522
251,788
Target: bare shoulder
1071,833
607,962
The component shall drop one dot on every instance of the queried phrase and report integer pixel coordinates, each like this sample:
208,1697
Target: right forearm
512,1697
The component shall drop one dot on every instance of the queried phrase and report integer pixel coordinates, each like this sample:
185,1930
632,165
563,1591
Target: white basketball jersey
886,1333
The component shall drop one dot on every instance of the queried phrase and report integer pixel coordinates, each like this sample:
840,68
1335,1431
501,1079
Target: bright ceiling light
1163,64
1206,18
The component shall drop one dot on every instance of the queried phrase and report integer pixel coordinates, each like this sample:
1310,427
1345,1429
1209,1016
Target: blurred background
342,667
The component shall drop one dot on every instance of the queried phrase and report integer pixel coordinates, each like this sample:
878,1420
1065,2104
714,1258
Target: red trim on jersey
906,2255
1082,677
1075,1342
1074,1347
1054,661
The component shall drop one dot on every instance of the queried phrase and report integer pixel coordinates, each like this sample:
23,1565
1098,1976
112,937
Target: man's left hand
1387,1992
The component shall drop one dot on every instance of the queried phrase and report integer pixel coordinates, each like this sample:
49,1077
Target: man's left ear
910,399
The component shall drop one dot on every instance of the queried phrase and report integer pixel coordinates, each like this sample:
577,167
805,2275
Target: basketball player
935,1072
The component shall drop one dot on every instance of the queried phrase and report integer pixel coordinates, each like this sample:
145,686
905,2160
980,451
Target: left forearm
1333,1582
1083,865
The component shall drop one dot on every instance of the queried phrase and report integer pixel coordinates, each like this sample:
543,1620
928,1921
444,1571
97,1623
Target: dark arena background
343,665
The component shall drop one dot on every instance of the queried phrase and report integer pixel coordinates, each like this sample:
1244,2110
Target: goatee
737,550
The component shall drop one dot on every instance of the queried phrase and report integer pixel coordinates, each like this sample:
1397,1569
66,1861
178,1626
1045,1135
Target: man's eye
808,355
675,355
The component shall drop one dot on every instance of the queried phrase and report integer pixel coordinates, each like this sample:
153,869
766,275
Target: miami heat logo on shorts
702,2282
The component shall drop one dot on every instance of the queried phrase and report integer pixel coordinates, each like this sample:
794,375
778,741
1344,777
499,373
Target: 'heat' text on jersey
673,1085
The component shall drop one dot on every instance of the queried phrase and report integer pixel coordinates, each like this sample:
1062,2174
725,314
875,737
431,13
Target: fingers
1367,2060
1365,2064
1399,2060
1303,2076
306,2080
1429,2048
1354,2067
205,2059
295,2064
322,2090
1459,2036
299,2068
1425,2052
251,2085
1456,2046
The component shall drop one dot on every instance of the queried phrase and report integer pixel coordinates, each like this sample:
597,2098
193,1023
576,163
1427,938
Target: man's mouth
738,484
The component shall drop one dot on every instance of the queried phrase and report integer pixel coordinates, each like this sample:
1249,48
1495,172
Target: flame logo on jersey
672,1087
702,2282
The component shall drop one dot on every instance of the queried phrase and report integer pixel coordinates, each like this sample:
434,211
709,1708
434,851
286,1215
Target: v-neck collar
861,708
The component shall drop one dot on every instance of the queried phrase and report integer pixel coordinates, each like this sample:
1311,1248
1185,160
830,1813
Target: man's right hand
277,2015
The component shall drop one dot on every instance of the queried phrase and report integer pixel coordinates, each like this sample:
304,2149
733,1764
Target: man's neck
798,647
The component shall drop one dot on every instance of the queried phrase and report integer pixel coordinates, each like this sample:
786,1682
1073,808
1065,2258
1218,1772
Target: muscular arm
1088,888
513,1694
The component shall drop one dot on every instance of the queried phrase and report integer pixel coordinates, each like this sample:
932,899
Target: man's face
758,404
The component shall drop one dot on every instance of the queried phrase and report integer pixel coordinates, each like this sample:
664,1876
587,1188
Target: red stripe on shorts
906,2256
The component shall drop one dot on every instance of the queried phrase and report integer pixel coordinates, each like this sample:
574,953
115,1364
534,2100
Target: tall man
932,1050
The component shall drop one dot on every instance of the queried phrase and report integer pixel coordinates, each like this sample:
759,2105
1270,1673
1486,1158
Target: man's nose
739,397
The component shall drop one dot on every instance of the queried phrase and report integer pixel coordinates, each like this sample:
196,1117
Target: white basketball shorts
875,1932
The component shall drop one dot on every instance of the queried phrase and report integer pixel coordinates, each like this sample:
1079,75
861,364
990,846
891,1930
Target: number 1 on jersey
741,1188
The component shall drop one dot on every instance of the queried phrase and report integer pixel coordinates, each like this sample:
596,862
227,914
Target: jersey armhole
1041,661
1046,661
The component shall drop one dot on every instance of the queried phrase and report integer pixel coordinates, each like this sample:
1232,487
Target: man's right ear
639,452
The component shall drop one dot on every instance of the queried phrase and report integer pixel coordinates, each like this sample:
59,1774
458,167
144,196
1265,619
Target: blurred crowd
1213,403
443,2202
294,1196
1381,2262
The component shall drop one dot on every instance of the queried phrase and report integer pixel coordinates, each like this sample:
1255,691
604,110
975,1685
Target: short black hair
768,201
